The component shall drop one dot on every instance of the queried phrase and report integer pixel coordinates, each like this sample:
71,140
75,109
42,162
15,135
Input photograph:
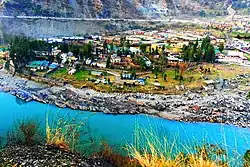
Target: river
119,129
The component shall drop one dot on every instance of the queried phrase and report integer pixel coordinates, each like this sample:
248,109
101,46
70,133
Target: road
196,21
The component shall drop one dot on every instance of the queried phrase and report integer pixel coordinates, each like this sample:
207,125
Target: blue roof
53,66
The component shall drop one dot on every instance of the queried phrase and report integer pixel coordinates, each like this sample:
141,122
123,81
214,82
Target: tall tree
143,48
20,52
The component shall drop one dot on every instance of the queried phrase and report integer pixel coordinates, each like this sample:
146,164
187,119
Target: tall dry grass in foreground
159,152
63,133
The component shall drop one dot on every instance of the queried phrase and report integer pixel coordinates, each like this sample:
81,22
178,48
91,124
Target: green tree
156,71
134,74
210,54
221,48
85,51
198,55
108,63
163,48
20,52
205,43
75,49
165,77
105,46
143,48
64,47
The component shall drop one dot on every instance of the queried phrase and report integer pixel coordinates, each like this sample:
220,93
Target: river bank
228,106
42,155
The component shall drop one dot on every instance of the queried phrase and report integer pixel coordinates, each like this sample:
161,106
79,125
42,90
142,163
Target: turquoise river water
119,129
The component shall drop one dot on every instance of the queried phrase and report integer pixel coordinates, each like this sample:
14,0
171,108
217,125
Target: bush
25,132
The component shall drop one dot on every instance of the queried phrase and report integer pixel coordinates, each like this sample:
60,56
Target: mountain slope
121,8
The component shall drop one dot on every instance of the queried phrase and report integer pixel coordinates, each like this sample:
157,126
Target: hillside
121,8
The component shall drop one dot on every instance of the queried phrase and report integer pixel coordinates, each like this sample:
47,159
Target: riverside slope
228,106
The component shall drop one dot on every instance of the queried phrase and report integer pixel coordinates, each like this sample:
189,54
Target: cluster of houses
236,53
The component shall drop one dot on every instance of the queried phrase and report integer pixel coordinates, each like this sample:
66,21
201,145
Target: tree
85,51
156,71
142,63
205,42
20,52
163,48
112,46
202,13
210,54
58,59
221,48
75,49
108,64
64,47
127,44
143,48
134,74
156,50
165,77
105,46
198,55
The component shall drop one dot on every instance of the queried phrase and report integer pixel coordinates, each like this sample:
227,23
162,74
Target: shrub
25,132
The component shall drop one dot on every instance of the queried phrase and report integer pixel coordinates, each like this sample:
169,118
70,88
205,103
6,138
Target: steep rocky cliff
120,8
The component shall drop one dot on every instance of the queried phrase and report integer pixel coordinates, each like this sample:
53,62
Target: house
53,66
232,57
127,76
99,64
236,54
115,58
97,73
172,59
38,65
141,81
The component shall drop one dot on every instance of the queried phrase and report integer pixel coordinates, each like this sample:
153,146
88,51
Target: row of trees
82,51
197,53
22,50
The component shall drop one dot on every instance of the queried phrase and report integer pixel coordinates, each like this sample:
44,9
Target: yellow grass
159,153
64,134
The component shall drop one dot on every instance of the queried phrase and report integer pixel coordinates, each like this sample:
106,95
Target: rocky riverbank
222,101
41,155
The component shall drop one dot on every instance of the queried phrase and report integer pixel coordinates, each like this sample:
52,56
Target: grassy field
192,79
241,34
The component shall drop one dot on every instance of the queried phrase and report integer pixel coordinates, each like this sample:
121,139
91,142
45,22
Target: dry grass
63,134
158,152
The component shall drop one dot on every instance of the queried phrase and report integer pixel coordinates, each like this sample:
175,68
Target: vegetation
248,95
247,159
26,132
64,133
147,150
158,152
194,52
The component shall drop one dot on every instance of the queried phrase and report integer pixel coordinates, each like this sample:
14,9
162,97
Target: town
146,61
